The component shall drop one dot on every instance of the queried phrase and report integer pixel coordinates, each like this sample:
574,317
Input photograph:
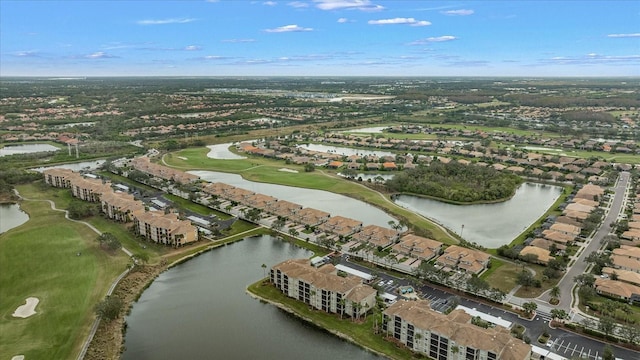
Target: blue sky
319,38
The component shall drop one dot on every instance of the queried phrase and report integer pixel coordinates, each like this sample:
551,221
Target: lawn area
502,275
265,170
361,332
40,259
147,250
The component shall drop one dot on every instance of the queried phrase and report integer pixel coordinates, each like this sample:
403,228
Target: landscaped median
359,332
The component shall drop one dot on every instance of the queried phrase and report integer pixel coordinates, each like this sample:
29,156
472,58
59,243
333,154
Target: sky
320,38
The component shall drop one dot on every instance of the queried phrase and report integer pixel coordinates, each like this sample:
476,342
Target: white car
389,282
549,343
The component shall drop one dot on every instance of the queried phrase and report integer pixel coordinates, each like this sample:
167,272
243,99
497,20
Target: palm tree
342,302
555,294
264,270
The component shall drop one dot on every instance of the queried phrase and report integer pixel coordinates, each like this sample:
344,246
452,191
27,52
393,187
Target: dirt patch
109,338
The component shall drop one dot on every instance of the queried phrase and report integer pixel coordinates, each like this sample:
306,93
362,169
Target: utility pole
461,230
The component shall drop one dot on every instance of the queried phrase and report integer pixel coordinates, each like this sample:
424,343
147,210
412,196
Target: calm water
322,200
344,150
11,216
377,129
199,310
84,165
490,225
26,148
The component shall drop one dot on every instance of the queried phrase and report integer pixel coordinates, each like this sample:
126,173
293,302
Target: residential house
418,247
627,276
558,237
541,256
341,226
376,236
626,258
617,289
310,216
458,257
283,208
451,336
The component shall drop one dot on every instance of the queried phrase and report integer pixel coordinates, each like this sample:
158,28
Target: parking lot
573,350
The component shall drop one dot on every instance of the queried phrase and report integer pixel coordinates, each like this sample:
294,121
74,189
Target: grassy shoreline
359,333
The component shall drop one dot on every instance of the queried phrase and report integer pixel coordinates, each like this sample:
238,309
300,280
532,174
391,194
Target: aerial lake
200,310
490,225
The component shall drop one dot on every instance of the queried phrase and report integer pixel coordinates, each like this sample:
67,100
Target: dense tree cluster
456,182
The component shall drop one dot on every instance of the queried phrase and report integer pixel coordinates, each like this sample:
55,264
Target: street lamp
461,230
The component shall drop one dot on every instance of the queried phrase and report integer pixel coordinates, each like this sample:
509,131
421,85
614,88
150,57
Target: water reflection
11,216
490,225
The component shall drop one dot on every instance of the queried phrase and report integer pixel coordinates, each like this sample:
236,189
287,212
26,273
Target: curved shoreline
311,321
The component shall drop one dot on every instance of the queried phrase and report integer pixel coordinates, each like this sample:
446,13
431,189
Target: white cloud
25,54
593,58
239,40
421,23
298,4
214,57
288,28
363,5
99,55
460,12
428,40
192,48
166,21
270,3
409,21
343,20
624,35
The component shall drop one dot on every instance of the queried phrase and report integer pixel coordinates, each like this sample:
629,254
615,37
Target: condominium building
469,260
60,177
322,288
449,337
164,228
418,247
120,206
376,235
89,189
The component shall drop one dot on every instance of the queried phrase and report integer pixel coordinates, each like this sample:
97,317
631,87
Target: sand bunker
288,170
182,158
18,357
28,309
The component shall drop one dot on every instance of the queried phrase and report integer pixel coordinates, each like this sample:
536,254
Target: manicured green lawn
360,331
39,259
197,208
501,275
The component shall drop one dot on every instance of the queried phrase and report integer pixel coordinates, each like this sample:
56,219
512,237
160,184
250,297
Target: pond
200,310
322,200
84,165
26,149
490,225
11,216
368,130
344,150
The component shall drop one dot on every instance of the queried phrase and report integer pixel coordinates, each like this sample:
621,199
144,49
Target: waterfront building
449,337
322,288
